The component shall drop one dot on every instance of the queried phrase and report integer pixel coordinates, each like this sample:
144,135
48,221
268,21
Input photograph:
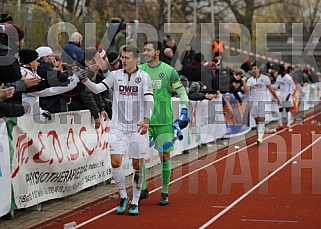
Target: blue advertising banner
236,114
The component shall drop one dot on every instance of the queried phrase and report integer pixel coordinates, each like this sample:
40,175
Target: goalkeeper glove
183,120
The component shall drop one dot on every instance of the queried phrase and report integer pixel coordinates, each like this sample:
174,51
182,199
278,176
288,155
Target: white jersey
132,98
259,90
32,99
284,85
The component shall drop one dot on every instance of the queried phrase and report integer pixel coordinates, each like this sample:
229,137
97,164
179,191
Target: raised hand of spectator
97,123
103,64
208,96
94,68
104,115
6,93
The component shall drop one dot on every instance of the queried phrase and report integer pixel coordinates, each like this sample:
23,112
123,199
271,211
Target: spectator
29,60
114,61
187,56
47,62
85,99
120,38
6,18
10,109
168,56
238,85
113,28
195,94
72,51
196,71
169,43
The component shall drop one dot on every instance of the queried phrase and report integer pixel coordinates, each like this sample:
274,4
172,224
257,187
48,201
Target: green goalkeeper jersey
164,79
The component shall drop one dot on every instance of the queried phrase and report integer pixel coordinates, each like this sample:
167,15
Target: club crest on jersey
138,80
161,75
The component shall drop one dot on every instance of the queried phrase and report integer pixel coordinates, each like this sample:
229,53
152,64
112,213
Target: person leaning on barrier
195,94
84,98
10,109
47,68
11,41
29,64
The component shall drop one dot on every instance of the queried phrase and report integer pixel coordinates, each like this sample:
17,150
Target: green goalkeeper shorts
161,135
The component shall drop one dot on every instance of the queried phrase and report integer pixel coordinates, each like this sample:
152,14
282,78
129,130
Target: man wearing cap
6,18
46,68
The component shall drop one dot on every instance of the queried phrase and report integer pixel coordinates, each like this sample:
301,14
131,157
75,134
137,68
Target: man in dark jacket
197,72
85,98
72,51
56,103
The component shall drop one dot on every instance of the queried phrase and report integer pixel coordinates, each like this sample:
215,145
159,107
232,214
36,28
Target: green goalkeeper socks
144,185
166,175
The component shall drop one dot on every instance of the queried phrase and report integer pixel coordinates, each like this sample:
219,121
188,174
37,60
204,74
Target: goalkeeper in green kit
164,79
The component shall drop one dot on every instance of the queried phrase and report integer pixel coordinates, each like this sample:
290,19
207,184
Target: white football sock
119,177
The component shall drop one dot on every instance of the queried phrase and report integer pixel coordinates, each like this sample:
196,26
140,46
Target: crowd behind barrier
66,155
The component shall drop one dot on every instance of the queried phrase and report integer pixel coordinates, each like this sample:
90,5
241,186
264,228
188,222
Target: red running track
274,185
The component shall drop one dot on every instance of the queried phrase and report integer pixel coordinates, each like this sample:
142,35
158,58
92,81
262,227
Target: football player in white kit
285,86
258,85
132,108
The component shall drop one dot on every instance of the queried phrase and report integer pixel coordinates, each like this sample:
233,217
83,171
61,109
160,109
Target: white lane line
258,185
268,220
195,171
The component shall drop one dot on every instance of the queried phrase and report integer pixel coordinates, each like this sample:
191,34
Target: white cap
44,51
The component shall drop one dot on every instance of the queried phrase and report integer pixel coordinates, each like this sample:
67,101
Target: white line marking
195,171
268,220
258,185
218,206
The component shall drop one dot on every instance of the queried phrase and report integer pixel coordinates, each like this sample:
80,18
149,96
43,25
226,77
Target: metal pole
19,6
169,14
195,17
83,7
136,9
212,19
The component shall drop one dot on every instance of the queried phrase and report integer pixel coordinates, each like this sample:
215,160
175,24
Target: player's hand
288,97
83,74
143,126
183,120
279,102
26,108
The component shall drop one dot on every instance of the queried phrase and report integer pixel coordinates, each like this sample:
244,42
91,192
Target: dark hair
289,69
133,49
157,45
256,64
282,68
5,17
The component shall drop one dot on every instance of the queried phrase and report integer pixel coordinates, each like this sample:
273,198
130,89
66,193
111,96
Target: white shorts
258,110
130,144
286,104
